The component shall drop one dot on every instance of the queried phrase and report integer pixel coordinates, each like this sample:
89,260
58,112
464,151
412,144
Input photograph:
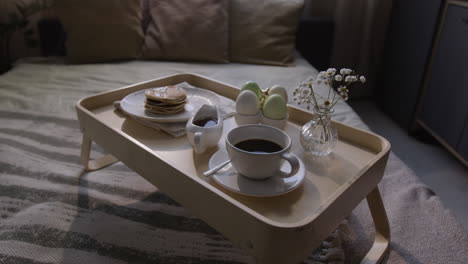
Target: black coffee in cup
257,151
258,146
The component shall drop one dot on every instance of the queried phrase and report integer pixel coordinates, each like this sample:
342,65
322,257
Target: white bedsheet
49,85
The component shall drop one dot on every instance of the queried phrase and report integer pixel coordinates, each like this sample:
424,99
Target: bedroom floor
435,166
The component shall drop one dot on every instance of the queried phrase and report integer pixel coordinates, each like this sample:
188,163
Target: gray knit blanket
52,211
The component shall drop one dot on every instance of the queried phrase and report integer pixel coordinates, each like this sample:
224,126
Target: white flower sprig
335,80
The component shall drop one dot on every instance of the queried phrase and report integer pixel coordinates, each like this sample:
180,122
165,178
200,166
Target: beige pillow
264,32
101,30
195,30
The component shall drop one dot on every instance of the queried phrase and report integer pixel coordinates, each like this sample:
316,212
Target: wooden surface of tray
295,222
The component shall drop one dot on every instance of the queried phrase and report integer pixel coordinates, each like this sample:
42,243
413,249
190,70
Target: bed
52,211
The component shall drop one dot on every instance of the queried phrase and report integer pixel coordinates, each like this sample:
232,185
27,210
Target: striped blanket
52,211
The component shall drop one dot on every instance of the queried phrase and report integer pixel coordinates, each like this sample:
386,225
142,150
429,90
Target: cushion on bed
195,30
263,32
21,17
103,30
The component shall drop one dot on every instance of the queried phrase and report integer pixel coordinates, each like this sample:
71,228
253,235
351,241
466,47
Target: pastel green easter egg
253,86
275,107
277,89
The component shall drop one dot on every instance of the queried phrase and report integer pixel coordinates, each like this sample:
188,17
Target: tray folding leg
382,228
96,164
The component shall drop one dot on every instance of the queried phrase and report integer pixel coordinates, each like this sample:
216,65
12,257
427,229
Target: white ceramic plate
134,105
273,186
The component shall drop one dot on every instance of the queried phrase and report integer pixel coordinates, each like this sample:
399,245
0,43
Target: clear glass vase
319,135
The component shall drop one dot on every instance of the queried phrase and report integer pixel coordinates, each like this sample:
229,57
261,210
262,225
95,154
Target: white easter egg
247,103
277,89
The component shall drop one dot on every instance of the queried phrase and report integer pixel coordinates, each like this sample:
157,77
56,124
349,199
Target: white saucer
273,186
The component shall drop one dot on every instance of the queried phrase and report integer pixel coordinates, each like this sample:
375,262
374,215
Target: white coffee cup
200,137
260,164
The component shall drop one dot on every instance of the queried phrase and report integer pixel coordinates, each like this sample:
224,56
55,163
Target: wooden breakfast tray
283,229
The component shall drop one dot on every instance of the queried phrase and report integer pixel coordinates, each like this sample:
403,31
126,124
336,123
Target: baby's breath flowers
334,80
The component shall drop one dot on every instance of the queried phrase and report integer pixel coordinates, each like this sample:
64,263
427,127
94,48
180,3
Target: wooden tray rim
293,110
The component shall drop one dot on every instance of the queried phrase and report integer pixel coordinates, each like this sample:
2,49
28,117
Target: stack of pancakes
165,100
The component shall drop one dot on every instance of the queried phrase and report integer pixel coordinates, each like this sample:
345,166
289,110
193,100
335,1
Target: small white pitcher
205,128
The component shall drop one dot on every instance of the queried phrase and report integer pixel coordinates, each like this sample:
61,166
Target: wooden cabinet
463,145
444,102
407,47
